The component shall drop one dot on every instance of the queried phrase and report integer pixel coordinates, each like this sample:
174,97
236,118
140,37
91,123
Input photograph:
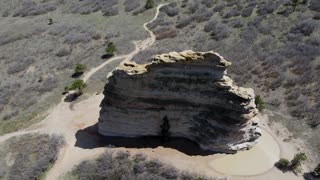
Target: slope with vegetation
122,165
274,47
29,156
42,41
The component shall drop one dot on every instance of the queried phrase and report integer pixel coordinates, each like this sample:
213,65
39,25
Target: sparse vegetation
294,165
30,48
88,6
79,69
295,3
122,165
171,10
30,156
110,49
50,21
282,164
296,162
131,5
259,103
149,4
20,64
40,79
78,85
274,67
30,8
75,38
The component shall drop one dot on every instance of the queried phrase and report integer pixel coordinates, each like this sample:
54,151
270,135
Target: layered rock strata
190,90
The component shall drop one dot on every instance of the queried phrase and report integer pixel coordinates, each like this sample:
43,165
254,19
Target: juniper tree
78,85
50,21
282,164
110,49
297,160
149,4
79,68
259,103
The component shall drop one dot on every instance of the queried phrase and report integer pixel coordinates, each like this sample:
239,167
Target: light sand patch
9,159
257,160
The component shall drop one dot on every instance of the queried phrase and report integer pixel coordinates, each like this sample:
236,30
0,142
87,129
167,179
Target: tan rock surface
192,90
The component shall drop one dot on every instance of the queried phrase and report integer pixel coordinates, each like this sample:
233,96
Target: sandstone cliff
191,90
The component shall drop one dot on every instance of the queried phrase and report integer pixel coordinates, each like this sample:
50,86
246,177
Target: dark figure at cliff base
165,134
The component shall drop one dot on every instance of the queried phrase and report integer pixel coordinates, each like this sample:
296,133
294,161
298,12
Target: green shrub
79,69
78,85
149,4
50,22
110,49
259,103
297,161
66,90
316,171
295,3
282,164
40,79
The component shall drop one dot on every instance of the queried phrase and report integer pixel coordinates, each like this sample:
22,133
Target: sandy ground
256,163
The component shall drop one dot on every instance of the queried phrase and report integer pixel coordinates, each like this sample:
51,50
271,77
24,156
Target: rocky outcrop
191,91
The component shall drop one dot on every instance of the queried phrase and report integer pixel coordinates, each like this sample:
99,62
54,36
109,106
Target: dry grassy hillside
274,47
37,58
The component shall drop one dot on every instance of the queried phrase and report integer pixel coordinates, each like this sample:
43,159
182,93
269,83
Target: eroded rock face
192,90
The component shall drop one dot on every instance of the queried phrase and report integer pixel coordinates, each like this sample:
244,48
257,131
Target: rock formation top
201,58
191,91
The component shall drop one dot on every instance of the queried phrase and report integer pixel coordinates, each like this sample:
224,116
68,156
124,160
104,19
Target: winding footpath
66,122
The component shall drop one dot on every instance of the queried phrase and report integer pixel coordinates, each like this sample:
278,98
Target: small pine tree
259,103
297,160
79,69
50,21
66,90
295,3
149,4
110,49
40,78
316,171
78,85
282,164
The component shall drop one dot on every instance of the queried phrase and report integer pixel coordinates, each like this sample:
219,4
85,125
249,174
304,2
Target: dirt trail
139,46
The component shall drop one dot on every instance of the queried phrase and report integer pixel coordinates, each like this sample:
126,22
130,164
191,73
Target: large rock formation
191,90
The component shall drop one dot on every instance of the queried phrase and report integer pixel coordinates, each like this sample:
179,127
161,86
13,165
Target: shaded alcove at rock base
89,138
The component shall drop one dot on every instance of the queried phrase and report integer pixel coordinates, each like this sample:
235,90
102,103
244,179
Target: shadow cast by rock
89,138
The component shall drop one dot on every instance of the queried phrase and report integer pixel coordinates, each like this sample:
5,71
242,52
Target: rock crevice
192,90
